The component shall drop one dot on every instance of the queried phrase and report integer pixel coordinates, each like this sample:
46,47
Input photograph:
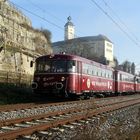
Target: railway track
26,110
12,129
16,107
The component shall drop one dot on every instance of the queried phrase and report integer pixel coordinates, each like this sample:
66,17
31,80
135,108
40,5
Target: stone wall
20,43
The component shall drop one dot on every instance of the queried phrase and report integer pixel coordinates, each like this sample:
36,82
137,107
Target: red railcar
124,82
69,75
137,83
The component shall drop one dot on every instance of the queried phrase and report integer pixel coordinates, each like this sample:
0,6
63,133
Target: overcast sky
119,20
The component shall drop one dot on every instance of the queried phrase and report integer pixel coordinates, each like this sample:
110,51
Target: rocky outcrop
20,43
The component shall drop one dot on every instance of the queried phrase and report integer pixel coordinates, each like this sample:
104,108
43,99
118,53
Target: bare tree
133,68
126,66
116,62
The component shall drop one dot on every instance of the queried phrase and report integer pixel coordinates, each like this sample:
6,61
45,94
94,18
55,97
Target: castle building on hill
97,48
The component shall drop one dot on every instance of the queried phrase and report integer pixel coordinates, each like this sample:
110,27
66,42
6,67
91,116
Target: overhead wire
49,13
127,34
52,23
121,21
48,21
38,16
46,11
131,36
110,17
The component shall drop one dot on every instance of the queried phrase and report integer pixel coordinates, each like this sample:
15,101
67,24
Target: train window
58,66
111,75
99,72
128,78
85,68
125,78
87,71
94,70
132,79
47,68
108,74
105,73
40,67
120,77
71,66
90,69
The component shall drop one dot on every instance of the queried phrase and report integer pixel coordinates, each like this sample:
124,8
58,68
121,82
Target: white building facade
90,47
108,50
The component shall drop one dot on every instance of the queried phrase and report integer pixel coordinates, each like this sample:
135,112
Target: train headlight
62,78
59,85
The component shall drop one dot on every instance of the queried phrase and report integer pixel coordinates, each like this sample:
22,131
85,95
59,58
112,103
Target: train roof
123,72
74,57
137,76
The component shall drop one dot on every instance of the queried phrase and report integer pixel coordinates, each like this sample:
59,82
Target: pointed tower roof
69,23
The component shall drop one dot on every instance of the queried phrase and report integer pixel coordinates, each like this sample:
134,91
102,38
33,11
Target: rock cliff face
20,43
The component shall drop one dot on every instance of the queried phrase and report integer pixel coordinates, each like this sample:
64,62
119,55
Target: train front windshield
55,66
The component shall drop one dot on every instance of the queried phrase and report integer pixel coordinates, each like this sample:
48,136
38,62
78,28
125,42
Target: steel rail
84,115
49,114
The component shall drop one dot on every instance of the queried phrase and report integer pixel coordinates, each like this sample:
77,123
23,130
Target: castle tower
69,29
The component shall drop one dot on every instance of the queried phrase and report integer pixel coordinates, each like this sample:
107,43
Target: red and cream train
71,76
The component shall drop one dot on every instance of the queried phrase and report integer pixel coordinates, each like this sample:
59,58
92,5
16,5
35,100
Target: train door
79,77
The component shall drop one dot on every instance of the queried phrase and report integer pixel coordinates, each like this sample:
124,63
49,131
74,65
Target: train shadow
41,99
